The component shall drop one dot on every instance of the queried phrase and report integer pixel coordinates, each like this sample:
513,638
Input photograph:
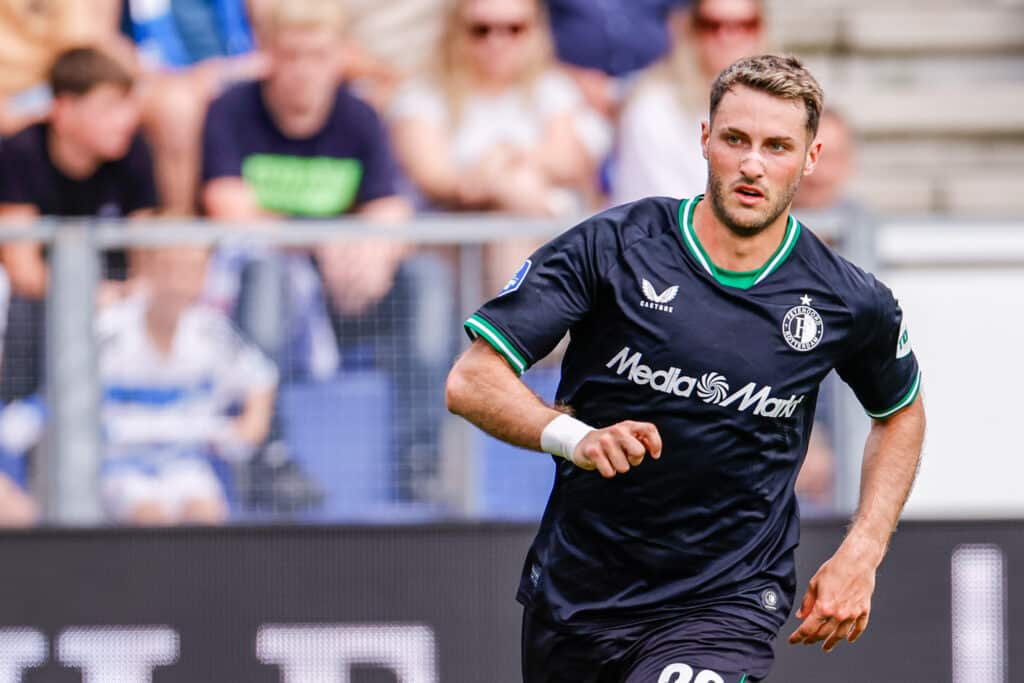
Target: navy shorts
711,644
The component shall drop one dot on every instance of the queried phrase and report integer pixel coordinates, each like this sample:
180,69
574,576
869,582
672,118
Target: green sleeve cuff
477,326
907,399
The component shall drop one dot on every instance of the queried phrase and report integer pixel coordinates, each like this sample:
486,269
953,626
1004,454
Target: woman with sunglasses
659,132
496,125
494,110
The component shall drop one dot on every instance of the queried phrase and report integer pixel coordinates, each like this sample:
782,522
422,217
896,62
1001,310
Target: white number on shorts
685,675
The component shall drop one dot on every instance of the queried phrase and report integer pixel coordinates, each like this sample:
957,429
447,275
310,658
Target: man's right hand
614,450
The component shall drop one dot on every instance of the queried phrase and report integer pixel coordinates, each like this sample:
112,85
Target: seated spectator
298,144
191,51
497,126
659,150
173,371
32,35
87,160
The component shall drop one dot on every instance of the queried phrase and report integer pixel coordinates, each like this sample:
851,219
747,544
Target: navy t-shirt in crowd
346,164
614,36
727,365
117,188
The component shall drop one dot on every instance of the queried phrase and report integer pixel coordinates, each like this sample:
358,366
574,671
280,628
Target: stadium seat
340,432
514,484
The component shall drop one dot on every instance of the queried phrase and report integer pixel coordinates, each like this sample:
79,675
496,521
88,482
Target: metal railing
67,469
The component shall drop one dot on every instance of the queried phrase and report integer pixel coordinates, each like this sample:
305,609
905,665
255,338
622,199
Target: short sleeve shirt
346,164
116,189
727,365
515,117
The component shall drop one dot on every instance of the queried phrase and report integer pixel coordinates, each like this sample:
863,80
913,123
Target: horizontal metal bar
925,240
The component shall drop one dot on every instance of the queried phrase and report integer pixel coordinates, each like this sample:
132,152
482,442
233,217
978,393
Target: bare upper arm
481,362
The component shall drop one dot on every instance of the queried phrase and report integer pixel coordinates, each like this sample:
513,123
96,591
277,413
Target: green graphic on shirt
303,186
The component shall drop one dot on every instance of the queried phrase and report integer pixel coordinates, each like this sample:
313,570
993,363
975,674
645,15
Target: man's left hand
838,600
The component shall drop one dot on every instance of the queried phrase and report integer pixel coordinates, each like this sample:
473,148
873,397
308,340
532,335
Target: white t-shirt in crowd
179,400
515,117
659,152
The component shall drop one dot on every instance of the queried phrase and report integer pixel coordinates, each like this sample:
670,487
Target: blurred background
238,242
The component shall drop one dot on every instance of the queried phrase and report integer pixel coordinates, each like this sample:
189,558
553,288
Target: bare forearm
253,425
891,457
562,156
483,389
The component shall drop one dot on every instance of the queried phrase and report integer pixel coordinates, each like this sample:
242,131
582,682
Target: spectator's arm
231,199
599,90
23,260
253,425
358,274
225,195
561,154
385,210
423,150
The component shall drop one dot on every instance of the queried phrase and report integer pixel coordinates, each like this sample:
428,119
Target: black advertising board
433,604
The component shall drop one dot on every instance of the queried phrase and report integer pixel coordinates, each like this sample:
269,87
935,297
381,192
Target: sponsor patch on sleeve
903,343
517,279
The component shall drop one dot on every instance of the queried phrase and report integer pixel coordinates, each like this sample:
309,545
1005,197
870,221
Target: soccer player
699,332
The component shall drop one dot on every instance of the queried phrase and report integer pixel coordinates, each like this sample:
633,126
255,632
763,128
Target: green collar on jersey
731,278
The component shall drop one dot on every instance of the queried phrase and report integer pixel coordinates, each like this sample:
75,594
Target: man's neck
297,127
730,251
69,158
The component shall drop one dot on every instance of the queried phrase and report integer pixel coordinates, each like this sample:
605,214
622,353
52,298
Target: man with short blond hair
299,144
700,330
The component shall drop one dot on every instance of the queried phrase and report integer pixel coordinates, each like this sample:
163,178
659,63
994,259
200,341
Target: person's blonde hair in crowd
455,67
270,16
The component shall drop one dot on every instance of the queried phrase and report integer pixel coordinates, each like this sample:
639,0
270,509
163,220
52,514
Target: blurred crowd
247,110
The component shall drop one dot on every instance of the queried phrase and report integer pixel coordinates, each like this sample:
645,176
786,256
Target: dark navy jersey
727,365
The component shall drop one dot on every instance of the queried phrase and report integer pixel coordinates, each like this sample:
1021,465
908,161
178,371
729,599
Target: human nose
752,165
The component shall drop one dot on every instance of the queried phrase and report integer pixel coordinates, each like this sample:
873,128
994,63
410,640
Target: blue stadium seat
514,483
340,432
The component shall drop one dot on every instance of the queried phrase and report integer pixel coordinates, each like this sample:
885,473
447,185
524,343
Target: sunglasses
705,24
480,30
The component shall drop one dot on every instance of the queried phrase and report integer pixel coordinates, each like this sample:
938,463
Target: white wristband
562,435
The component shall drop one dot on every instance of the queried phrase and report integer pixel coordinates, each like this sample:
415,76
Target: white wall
962,290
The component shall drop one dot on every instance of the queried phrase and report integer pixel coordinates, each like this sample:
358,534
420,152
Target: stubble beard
757,224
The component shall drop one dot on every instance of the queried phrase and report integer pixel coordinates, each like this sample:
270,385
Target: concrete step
845,71
977,192
986,109
954,154
900,28
985,193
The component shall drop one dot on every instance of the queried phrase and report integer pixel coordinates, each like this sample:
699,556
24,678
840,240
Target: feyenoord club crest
802,326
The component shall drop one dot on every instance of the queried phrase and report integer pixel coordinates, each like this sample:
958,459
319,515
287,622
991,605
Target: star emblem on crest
805,300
